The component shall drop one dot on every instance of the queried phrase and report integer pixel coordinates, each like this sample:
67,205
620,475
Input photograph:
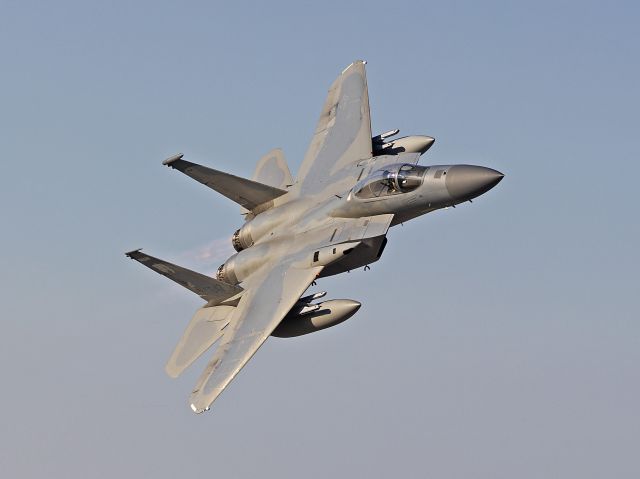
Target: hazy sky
499,339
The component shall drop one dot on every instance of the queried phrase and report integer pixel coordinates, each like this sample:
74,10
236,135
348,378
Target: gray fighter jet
334,217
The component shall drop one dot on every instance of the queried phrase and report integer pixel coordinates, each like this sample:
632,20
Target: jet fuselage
384,191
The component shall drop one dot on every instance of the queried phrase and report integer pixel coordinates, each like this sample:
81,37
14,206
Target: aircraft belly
369,251
404,216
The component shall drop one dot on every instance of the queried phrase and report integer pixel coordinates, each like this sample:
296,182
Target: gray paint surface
297,237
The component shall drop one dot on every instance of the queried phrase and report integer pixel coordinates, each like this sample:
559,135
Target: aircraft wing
342,137
269,295
247,193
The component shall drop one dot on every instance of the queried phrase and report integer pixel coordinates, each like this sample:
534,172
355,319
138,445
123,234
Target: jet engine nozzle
241,265
242,239
465,182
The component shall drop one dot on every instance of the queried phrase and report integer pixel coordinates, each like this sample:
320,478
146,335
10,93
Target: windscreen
392,180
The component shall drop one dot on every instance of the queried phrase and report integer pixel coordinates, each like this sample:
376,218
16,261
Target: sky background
496,340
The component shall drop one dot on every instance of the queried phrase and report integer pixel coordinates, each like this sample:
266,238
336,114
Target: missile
329,313
309,308
311,297
304,306
300,309
383,136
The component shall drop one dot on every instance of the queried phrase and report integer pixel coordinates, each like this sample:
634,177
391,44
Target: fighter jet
332,218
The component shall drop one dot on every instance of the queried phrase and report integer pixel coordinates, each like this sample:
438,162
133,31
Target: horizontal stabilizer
207,288
247,193
206,327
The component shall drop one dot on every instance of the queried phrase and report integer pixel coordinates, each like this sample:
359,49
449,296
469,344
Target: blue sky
498,339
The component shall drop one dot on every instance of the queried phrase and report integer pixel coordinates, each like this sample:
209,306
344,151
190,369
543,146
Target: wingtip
173,158
172,371
197,409
356,62
129,254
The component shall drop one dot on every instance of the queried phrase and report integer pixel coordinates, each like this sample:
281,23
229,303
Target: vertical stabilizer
206,327
272,170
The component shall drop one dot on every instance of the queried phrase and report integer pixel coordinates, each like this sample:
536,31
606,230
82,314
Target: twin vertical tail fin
205,328
271,178
272,170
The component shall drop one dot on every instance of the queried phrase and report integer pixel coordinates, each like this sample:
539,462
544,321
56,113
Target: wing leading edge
268,297
247,193
342,137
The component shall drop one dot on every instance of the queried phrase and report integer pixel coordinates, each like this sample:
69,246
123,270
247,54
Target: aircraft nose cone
465,182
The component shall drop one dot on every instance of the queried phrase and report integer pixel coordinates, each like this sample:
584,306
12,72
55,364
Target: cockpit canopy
392,180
